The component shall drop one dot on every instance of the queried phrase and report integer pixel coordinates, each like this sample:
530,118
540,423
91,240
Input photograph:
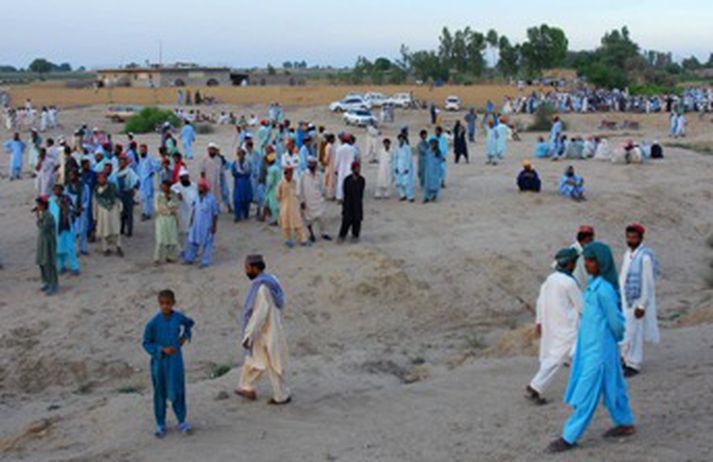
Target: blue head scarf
278,296
602,253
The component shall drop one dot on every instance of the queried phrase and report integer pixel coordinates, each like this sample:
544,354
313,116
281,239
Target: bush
543,119
204,129
149,119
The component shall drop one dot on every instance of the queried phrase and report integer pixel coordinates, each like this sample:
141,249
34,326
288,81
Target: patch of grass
129,389
700,148
475,341
219,370
204,129
149,119
543,119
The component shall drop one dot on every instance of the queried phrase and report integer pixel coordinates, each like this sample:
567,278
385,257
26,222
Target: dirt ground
414,344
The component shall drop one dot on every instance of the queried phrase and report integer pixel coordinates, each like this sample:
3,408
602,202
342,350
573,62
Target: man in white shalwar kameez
310,192
372,143
558,307
346,155
384,175
637,282
263,336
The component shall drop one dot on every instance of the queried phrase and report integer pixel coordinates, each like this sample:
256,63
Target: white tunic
346,155
309,192
266,334
188,195
558,307
383,177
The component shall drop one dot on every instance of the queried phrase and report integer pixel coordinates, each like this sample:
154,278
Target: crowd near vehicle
452,103
402,100
359,117
376,99
120,114
372,99
350,102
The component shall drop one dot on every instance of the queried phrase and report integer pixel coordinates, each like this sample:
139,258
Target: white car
359,117
402,100
452,103
350,102
376,99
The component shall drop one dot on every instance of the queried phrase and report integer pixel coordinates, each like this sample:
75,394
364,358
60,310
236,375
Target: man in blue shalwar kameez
15,147
596,369
148,167
204,224
188,136
164,336
432,172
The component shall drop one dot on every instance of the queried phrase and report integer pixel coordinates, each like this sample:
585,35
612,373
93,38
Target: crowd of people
597,100
88,187
26,117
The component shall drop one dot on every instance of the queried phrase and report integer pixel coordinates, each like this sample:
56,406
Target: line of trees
460,58
40,66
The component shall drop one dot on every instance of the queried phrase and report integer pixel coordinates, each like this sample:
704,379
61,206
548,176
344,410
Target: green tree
445,47
40,66
509,62
475,46
287,65
545,48
691,64
271,70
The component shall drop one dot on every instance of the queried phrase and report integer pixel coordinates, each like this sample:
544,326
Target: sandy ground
413,345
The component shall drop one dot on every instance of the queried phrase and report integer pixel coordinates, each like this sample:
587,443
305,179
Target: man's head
203,187
439,130
566,259
585,235
289,171
177,158
634,235
527,165
16,136
57,189
387,143
101,179
86,165
143,150
212,149
166,186
402,139
241,154
123,162
569,171
42,203
184,177
166,301
312,164
73,176
423,134
254,266
356,168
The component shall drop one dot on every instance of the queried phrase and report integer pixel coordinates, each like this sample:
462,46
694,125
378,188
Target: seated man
528,179
572,185
542,148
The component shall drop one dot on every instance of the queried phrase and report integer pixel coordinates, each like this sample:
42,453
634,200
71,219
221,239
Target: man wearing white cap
186,192
211,170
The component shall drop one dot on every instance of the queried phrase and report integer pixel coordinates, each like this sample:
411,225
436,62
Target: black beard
251,276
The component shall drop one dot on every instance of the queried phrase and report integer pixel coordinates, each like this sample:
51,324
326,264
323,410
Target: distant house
166,76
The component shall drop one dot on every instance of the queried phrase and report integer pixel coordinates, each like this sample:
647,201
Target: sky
239,33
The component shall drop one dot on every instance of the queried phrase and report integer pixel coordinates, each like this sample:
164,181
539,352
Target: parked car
350,102
359,117
376,99
121,113
402,100
452,103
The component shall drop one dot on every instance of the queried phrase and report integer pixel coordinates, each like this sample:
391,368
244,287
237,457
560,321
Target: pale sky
242,33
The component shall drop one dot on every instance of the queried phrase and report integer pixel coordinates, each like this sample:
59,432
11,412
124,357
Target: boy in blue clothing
164,336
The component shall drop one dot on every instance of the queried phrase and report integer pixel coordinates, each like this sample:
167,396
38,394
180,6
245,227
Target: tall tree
509,62
445,47
41,66
545,48
475,46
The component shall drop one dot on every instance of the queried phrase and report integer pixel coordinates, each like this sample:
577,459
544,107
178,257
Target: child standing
164,336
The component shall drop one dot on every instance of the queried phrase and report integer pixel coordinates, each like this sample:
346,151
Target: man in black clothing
353,204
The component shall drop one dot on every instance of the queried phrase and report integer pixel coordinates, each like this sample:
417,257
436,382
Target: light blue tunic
404,175
596,369
188,136
16,148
